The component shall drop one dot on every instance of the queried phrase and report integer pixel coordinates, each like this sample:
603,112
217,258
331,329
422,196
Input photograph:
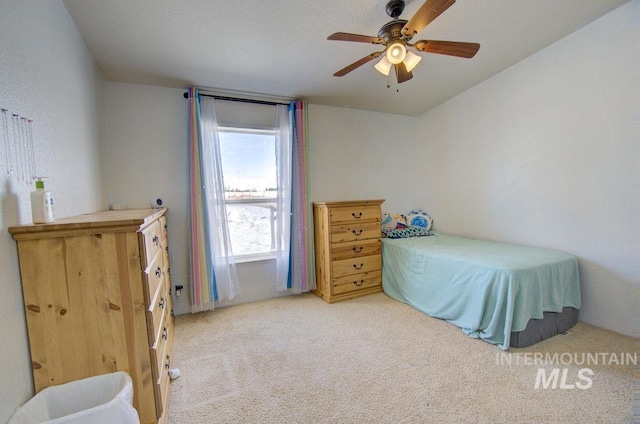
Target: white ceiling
280,47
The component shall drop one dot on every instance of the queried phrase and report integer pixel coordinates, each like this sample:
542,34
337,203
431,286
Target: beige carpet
298,359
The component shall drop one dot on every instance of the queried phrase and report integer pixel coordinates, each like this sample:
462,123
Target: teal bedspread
488,289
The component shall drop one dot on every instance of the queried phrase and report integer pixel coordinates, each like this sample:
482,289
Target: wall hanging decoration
17,136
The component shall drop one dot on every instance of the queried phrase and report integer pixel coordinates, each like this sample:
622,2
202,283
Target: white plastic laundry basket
103,399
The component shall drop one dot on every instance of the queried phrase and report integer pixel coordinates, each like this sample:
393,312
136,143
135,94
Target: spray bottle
41,204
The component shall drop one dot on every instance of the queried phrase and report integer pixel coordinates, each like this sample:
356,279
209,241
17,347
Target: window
249,171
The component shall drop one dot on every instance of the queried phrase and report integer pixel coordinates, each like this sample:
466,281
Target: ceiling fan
396,35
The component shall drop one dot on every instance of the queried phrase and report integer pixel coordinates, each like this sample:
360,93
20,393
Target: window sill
258,257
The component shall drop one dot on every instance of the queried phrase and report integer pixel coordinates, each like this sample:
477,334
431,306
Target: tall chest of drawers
347,249
97,299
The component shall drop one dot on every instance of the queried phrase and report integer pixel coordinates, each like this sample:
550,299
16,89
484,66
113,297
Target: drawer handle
165,332
358,267
357,233
357,249
156,240
158,272
167,362
358,216
162,303
358,283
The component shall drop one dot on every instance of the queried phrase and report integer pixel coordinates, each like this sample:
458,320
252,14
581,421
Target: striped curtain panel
284,147
213,273
294,249
301,277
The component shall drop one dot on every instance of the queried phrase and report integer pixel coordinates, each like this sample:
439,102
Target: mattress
538,330
488,289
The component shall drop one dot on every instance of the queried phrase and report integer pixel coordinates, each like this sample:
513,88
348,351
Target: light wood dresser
97,297
348,249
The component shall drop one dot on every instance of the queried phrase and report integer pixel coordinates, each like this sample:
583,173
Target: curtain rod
237,99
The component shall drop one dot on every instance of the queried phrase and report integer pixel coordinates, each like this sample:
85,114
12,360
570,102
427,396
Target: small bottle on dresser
41,204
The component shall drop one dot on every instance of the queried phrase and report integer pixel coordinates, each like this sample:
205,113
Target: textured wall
545,154
47,75
355,154
145,138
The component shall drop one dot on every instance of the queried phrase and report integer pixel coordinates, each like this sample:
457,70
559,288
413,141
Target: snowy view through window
249,170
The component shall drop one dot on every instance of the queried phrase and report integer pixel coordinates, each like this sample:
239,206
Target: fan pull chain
389,84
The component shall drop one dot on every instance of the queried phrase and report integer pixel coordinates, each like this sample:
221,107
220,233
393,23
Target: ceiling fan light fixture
395,37
411,60
384,66
396,52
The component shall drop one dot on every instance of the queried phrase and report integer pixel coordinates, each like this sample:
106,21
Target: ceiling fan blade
345,36
451,48
357,64
430,10
402,74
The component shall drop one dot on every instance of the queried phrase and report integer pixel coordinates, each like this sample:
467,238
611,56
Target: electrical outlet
179,288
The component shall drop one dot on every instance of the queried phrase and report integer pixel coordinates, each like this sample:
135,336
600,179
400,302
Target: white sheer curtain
216,230
283,200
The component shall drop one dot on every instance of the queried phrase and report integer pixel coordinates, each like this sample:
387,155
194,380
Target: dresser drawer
357,282
356,265
151,241
153,275
164,397
162,383
165,262
156,312
355,213
355,249
355,231
159,348
164,245
164,240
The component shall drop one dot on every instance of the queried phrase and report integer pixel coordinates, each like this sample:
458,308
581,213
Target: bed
505,294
